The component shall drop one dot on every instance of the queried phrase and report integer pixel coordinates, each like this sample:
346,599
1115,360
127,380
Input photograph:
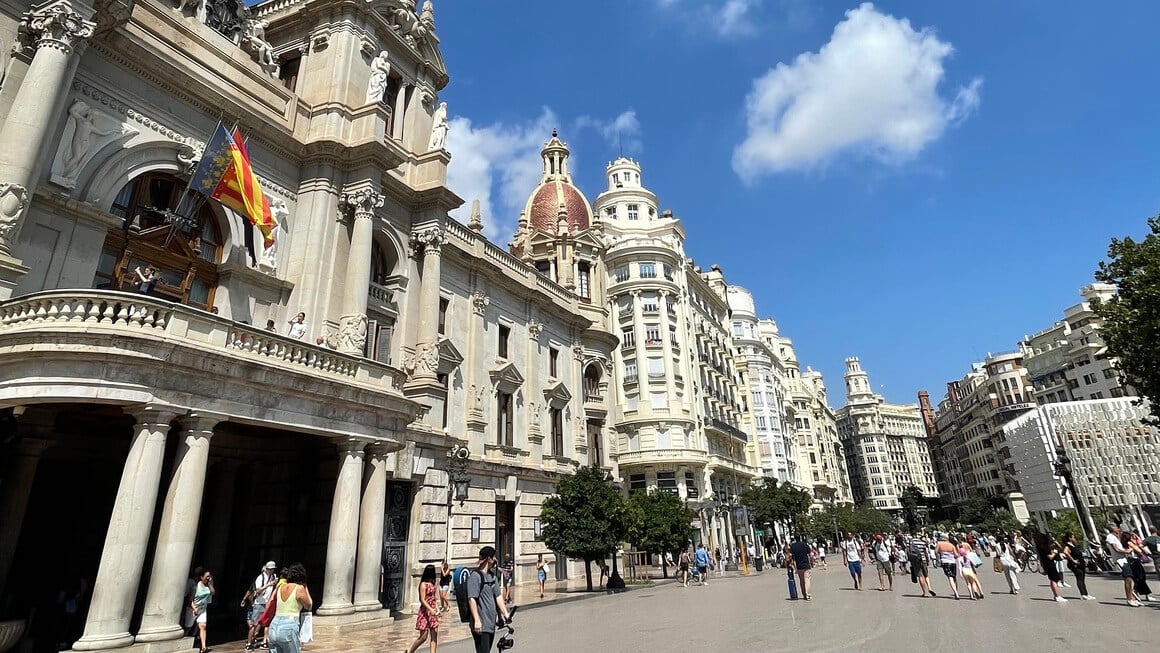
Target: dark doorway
505,530
395,529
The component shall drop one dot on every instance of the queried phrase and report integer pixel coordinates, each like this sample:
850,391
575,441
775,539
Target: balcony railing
729,429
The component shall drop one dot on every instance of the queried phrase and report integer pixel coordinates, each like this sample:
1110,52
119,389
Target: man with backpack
259,593
917,555
480,600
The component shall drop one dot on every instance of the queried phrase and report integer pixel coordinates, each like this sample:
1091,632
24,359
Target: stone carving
534,415
361,203
281,213
320,41
192,7
479,303
85,133
226,17
427,241
426,94
535,328
380,71
438,129
13,201
476,222
254,41
56,27
110,14
188,156
477,393
352,334
424,361
578,351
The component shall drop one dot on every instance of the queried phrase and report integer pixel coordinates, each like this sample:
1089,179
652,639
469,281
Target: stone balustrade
670,455
133,315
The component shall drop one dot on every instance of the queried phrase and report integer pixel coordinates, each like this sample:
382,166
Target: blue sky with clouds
915,183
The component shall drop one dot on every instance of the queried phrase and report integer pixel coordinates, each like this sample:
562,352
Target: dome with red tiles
556,193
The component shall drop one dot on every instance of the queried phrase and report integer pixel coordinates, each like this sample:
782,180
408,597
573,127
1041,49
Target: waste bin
758,563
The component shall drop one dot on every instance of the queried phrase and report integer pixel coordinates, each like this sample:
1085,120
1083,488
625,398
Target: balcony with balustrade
118,348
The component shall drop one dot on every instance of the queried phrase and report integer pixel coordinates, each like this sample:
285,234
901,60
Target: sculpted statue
86,132
269,262
438,129
254,40
380,70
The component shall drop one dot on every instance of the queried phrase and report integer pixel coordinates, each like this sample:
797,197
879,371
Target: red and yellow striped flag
225,175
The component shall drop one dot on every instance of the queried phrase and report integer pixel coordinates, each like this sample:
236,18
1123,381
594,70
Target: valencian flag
224,174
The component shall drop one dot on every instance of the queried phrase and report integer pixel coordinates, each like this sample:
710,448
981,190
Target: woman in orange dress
427,621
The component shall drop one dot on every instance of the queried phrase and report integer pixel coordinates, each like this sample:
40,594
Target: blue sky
915,183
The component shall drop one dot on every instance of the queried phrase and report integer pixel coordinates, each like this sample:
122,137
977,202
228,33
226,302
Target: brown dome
543,208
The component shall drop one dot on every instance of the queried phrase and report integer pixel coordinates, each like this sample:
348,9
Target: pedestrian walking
822,553
485,601
258,596
427,620
509,578
683,561
1119,552
1073,553
800,554
202,597
445,586
1136,554
852,555
1009,564
884,561
947,556
292,598
916,558
541,573
969,562
1049,553
701,559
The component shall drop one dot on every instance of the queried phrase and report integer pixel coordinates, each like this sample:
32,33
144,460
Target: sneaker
1088,597
1064,584
1060,599
1134,603
1153,598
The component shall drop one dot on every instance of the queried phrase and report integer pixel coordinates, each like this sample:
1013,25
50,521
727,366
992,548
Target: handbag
997,565
267,615
306,628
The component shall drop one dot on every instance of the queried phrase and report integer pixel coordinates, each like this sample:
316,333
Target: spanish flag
224,174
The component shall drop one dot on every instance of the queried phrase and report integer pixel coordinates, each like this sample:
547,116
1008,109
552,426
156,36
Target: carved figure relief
438,129
254,41
352,334
479,303
281,213
424,361
85,133
380,70
13,201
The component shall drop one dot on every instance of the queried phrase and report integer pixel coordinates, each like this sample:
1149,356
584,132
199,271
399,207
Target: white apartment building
885,444
1068,361
761,370
813,434
1113,452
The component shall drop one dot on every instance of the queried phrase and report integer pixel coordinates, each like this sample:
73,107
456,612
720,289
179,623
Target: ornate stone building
189,434
885,444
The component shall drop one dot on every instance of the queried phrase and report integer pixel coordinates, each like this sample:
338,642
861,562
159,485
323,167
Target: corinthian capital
56,26
427,241
361,203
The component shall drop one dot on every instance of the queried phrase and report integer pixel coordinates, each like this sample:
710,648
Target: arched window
383,263
184,248
592,376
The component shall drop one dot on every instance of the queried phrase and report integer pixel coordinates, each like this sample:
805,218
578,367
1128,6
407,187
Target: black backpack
460,577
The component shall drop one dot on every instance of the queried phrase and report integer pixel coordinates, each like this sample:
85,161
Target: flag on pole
224,174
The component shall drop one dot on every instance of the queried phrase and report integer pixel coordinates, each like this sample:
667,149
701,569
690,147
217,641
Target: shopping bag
267,615
997,565
306,629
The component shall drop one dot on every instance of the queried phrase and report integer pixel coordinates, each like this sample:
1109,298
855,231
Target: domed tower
556,231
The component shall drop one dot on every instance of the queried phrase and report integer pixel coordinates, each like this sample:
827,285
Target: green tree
975,511
1000,521
661,523
586,519
1066,521
912,498
1131,326
770,502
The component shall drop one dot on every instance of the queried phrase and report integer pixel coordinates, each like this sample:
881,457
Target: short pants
950,569
855,568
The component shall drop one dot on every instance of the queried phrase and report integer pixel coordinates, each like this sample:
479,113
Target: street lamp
615,582
458,482
1064,469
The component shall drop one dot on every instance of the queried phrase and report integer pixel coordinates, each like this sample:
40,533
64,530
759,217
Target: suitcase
792,585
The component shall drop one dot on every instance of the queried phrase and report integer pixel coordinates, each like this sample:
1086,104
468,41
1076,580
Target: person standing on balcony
146,280
297,326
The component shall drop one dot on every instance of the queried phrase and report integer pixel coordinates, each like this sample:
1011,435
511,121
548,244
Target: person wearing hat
485,599
885,565
260,593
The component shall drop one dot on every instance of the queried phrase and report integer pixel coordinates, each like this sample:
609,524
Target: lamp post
458,484
1063,467
615,582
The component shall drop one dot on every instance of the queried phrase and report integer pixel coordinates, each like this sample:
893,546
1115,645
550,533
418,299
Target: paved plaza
753,615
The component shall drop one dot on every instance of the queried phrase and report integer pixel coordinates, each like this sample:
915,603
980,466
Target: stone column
342,543
368,570
127,539
55,30
425,362
173,554
352,326
14,493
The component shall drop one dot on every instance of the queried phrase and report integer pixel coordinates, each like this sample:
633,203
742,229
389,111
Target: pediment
588,237
449,356
556,394
505,377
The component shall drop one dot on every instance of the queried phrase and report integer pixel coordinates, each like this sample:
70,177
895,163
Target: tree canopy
863,519
586,519
770,502
659,522
1131,326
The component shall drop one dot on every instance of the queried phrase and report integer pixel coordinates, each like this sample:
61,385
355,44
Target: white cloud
872,90
498,165
734,18
731,19
622,132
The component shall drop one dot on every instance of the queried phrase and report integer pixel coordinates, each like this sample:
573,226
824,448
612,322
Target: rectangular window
544,268
656,368
583,281
288,73
1089,379
648,270
634,441
630,371
446,393
691,485
621,273
648,303
505,334
664,439
761,423
636,483
616,177
1109,373
737,330
610,212
668,272
504,419
652,335
658,400
633,211
595,444
667,482
673,335
631,403
557,418
627,338
554,363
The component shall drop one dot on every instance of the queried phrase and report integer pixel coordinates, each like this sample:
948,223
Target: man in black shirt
801,562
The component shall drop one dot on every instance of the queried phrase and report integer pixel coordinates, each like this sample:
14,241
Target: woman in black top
1049,555
1075,562
444,587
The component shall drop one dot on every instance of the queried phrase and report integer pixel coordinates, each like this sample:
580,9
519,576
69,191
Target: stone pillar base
11,271
182,643
335,610
104,642
336,625
161,634
369,606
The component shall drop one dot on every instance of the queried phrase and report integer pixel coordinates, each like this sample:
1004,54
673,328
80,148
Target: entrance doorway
505,530
395,529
